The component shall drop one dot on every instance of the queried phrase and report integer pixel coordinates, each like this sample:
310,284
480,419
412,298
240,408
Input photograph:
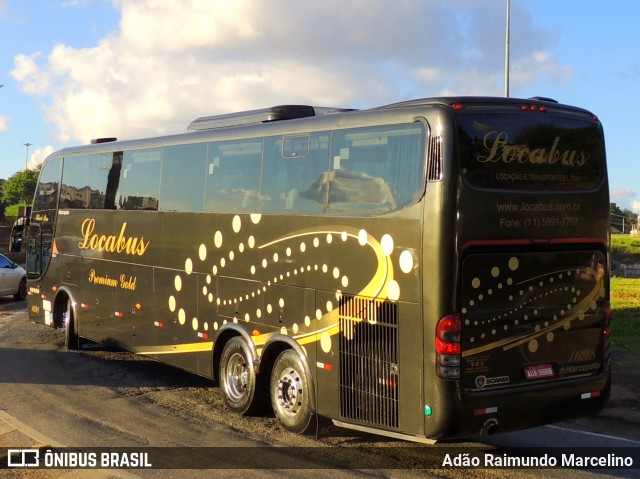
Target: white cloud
33,80
4,123
635,207
623,197
38,156
170,61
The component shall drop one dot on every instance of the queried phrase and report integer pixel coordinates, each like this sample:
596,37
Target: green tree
19,189
615,209
623,219
2,203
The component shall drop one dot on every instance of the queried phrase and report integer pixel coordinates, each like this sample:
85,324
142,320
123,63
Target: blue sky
73,70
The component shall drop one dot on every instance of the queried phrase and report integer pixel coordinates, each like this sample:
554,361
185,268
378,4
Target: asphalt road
105,399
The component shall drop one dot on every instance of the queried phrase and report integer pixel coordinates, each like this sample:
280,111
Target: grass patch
625,245
625,325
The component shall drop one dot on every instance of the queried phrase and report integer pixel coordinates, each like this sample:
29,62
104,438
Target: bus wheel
291,393
238,379
71,338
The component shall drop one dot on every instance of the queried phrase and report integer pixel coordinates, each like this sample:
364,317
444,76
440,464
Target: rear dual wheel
291,394
241,386
290,389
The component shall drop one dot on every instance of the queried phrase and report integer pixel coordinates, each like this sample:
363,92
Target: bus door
34,253
39,249
38,256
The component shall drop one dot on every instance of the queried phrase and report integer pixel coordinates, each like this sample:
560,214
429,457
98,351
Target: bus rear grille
434,172
369,361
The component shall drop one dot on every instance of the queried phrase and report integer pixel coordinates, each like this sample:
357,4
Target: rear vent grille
434,171
369,361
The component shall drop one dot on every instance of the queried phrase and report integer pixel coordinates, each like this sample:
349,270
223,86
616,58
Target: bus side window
183,177
139,184
46,196
84,181
233,176
376,170
291,165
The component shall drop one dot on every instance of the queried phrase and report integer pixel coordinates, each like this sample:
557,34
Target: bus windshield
539,152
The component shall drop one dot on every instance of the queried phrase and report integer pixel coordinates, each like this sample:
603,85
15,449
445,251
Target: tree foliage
623,219
20,187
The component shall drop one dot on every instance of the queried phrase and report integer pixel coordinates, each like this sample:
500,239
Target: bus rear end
529,342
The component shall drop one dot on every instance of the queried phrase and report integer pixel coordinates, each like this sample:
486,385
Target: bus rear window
531,152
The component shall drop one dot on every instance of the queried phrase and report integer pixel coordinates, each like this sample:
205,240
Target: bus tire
291,394
238,379
71,338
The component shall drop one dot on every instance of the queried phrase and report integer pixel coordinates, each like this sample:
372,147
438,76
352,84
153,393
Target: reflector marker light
594,394
390,383
158,324
84,305
533,108
325,366
119,314
487,410
203,335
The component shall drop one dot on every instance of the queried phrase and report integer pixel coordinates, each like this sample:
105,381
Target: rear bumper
516,408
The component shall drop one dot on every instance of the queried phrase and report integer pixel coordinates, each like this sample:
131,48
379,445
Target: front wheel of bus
291,393
71,338
238,378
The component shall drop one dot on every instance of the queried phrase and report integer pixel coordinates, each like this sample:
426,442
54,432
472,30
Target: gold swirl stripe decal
586,304
174,348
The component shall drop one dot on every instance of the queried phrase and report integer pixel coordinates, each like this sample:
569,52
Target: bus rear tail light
448,348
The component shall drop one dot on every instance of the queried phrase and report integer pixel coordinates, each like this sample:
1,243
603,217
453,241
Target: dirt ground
626,381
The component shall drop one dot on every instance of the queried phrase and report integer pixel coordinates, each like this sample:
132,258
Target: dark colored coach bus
431,269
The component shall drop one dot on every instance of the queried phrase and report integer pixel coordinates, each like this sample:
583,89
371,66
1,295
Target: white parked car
13,279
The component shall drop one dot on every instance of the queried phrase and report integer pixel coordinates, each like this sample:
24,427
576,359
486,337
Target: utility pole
26,159
506,53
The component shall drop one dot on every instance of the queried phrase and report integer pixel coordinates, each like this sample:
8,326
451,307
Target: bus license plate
539,371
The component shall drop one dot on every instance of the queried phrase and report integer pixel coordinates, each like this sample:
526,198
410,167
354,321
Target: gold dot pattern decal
505,304
310,258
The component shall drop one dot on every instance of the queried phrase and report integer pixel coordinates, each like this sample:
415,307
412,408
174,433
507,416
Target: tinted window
4,262
233,176
84,181
291,166
139,180
46,196
531,151
374,170
183,177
